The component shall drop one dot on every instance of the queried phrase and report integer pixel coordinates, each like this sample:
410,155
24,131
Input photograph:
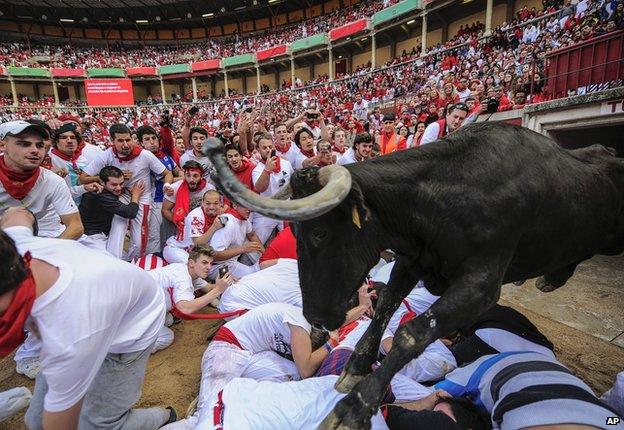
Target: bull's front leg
466,298
402,280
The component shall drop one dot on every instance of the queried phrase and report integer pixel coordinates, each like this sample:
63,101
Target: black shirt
97,211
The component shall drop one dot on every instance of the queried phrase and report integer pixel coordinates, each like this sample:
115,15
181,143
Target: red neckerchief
183,206
17,184
136,151
235,214
73,158
14,317
283,149
160,154
309,153
208,220
339,150
244,173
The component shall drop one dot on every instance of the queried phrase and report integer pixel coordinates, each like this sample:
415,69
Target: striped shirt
524,389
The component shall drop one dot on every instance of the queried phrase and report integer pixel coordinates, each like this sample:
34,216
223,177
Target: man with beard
24,183
97,209
453,121
187,195
242,167
269,175
138,165
361,150
71,154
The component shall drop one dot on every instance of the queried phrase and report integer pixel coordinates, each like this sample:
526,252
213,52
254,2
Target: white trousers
13,401
97,242
164,339
139,232
155,221
264,226
173,254
236,268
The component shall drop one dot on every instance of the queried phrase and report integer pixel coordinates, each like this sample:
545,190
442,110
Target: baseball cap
15,128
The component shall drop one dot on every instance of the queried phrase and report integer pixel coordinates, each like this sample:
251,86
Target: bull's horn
335,181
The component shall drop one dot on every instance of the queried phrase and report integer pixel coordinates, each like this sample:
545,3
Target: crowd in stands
116,55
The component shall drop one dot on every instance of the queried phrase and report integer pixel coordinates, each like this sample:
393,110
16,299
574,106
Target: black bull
489,204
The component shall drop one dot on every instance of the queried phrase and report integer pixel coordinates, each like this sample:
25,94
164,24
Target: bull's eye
318,236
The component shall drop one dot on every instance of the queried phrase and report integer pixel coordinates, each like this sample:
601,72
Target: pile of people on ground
103,249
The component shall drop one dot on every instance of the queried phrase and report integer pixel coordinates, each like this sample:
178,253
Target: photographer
452,121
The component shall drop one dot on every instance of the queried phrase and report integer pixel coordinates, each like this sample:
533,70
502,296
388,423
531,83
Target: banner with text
109,92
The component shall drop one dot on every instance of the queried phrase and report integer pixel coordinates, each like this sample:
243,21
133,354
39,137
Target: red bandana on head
17,184
136,151
183,203
73,158
14,317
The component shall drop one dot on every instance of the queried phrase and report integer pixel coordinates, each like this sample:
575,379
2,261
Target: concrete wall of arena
499,15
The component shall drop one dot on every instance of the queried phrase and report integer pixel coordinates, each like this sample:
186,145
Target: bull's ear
360,213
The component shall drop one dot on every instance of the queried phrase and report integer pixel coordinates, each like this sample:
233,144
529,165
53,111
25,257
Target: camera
193,111
273,153
492,105
223,270
312,116
248,109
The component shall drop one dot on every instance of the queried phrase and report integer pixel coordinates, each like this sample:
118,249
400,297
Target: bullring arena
122,102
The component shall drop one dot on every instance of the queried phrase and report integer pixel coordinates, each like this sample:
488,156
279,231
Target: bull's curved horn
335,180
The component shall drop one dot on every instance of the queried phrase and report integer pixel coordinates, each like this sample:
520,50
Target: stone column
13,91
258,78
488,17
194,84
225,83
162,91
331,63
373,50
56,96
423,35
292,72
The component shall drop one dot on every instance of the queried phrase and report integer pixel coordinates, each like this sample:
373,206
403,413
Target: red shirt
283,246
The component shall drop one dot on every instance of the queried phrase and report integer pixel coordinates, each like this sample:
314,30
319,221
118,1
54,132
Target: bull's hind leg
466,298
556,279
402,280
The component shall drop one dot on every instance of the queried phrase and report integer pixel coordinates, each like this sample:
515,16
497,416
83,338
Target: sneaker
173,416
168,319
192,407
28,367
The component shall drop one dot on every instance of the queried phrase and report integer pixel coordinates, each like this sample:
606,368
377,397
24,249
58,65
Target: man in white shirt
180,280
97,319
278,283
269,175
196,138
360,151
187,196
453,121
70,154
360,108
198,228
24,183
234,240
138,165
284,145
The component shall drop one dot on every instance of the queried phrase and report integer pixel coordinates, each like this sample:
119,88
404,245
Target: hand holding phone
223,271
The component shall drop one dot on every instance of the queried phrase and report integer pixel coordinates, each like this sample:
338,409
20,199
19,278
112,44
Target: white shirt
275,284
301,157
89,153
276,180
361,110
303,405
290,155
431,133
347,158
267,328
98,305
48,199
193,227
189,155
233,233
177,277
194,196
141,167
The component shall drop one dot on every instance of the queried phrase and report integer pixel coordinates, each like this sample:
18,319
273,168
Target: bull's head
336,240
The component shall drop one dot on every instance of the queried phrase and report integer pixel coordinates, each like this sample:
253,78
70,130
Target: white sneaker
28,367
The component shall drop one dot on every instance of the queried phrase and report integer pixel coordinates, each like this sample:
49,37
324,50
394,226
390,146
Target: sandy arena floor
173,374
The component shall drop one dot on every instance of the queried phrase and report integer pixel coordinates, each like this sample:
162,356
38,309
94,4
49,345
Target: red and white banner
109,92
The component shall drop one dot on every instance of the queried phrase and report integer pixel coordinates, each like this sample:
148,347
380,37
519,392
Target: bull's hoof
542,285
348,414
346,382
518,283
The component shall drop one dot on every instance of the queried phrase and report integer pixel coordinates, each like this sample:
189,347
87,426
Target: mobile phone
223,219
273,153
249,109
193,111
223,270
312,115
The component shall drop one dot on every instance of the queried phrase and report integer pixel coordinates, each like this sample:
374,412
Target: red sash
183,205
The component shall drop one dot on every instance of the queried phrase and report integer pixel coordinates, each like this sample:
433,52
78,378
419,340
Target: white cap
14,128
